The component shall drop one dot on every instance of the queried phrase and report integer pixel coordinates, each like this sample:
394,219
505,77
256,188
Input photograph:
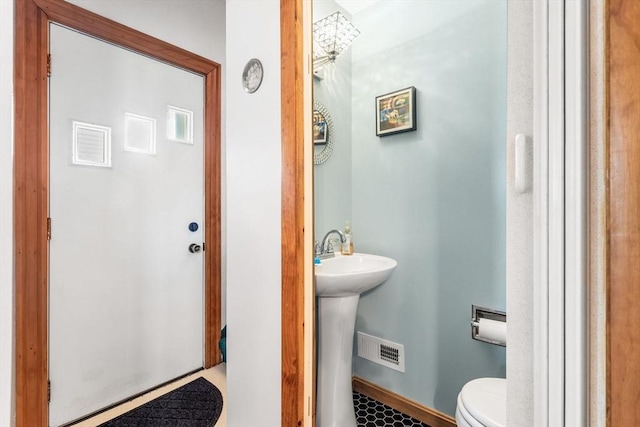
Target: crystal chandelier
333,34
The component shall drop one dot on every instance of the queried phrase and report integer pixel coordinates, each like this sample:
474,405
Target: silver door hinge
48,65
49,391
48,228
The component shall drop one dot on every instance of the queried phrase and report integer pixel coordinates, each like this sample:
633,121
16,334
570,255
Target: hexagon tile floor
371,413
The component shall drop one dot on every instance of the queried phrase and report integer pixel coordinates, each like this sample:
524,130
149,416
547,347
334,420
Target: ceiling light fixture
333,34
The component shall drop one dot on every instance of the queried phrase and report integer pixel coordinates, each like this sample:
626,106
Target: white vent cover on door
139,134
91,145
383,352
179,124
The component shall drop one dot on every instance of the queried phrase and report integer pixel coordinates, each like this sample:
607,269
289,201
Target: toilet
482,403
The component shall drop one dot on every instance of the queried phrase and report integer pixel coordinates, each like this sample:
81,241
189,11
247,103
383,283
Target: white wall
519,220
253,217
6,209
195,25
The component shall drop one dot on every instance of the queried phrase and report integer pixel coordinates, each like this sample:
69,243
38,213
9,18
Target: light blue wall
332,179
433,199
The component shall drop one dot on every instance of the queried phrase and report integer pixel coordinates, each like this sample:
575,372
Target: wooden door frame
622,167
297,222
31,184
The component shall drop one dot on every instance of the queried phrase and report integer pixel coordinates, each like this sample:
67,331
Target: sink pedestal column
336,324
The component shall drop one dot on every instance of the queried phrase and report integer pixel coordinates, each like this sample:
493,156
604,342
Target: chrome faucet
326,248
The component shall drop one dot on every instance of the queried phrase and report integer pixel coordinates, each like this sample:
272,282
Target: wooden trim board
414,409
622,133
30,214
293,214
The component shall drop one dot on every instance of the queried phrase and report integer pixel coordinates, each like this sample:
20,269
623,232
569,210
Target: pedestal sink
339,283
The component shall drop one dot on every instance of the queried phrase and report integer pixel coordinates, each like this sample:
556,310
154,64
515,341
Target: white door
126,196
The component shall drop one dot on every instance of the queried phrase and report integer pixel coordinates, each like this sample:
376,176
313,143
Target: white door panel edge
560,171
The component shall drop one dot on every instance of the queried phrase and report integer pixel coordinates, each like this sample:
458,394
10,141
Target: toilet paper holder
478,313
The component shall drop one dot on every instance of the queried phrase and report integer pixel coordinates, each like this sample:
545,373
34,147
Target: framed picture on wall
320,128
396,112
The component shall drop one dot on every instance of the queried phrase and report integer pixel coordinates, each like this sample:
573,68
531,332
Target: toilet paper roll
493,330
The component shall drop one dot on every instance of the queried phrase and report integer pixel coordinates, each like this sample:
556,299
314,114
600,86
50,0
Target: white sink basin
346,275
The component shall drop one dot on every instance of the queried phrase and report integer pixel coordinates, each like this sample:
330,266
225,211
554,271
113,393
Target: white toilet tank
482,403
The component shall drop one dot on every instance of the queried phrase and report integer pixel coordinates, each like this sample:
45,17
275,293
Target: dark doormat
196,404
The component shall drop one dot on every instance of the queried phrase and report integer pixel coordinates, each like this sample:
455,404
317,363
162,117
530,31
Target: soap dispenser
347,245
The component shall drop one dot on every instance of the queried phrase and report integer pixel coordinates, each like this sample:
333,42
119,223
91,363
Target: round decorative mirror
322,134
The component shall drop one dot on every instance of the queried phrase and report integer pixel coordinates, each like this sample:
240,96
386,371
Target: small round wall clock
252,75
